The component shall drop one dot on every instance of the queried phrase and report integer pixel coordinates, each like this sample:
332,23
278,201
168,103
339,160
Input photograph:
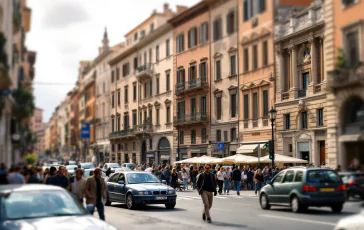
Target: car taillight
341,187
351,183
309,188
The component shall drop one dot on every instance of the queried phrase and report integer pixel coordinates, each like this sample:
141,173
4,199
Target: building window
112,76
150,143
192,37
287,121
352,42
134,92
252,8
117,74
180,43
157,82
320,116
118,123
126,69
218,108
168,82
203,135
151,28
150,116
203,71
126,98
119,147
246,107
150,87
204,36
304,120
233,134
193,136
136,36
233,65
181,137
233,105
225,136
142,34
265,53
255,57
126,122
347,3
113,100
192,73
181,76
118,97
140,118
157,114
136,63
203,108
265,103
230,22
255,106
218,70
168,115
157,53
168,51
145,90
126,146
134,119
217,29
134,146
112,125
218,135
150,56
246,59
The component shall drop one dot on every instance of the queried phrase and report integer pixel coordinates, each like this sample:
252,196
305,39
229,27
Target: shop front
198,151
150,157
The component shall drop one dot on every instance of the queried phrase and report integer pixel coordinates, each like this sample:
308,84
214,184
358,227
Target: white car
354,222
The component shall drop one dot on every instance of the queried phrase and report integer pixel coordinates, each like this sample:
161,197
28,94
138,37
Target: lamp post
178,143
272,116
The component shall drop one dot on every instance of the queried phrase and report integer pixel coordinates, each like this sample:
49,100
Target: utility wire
54,83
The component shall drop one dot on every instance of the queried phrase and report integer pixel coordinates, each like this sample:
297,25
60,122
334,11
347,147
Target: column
313,62
322,60
281,71
294,68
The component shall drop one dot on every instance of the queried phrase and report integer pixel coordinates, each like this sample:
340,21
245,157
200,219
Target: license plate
327,190
160,198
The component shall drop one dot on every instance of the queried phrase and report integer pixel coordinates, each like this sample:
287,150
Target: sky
63,32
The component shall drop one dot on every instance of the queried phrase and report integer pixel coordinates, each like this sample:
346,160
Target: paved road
228,212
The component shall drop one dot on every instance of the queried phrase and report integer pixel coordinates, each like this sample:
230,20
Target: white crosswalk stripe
216,197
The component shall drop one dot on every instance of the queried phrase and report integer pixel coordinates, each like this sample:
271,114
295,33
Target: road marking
300,220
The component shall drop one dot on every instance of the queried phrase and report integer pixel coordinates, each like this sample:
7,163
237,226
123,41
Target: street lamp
272,116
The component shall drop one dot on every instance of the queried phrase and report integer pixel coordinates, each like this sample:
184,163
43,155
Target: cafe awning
249,148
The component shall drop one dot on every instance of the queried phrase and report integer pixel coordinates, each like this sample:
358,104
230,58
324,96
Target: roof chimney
165,8
180,9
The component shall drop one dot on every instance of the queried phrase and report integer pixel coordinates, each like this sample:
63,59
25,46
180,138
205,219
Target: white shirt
220,175
150,170
187,170
185,175
243,176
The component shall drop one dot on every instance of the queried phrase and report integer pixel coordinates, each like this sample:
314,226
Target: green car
301,187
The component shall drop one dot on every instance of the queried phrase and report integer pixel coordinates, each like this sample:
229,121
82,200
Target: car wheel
130,201
362,197
170,206
337,208
108,202
264,202
296,205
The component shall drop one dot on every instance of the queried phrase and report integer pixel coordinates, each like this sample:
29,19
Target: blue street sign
220,146
85,130
5,92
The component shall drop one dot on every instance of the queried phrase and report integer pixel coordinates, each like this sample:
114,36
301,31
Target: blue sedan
138,189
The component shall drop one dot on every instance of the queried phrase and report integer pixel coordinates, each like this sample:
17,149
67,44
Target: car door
111,185
273,188
120,189
286,187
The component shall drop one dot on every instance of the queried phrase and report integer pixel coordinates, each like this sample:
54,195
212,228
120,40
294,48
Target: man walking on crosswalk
206,187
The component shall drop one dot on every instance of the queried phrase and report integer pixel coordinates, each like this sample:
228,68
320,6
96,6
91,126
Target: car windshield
71,167
138,178
322,176
88,172
87,166
26,205
114,165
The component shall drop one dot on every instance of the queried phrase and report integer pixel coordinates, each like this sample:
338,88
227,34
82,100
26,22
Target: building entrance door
144,152
322,152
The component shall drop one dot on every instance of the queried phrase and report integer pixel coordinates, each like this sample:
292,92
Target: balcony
144,128
302,92
344,77
190,119
144,72
195,84
122,134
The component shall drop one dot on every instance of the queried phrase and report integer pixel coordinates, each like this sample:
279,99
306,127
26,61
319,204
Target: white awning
248,148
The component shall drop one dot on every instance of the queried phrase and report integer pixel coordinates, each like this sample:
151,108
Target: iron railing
190,118
191,84
144,127
302,93
122,133
142,68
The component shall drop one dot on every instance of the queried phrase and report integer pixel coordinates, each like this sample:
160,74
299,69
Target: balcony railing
343,77
190,118
285,96
144,127
302,92
144,71
190,85
122,133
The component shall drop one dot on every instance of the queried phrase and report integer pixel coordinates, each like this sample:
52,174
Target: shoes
228,193
208,220
203,217
255,192
238,193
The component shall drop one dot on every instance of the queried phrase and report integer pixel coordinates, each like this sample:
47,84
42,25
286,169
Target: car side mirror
121,182
164,181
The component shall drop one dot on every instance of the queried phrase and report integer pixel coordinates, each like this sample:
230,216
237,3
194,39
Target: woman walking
220,179
185,178
227,179
259,180
174,178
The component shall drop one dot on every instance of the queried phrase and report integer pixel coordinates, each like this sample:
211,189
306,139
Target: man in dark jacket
250,180
167,175
237,179
206,187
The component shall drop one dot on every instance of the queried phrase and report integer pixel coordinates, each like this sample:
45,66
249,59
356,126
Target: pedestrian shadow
150,208
228,225
313,211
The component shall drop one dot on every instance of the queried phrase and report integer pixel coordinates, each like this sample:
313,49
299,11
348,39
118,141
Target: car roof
28,188
129,172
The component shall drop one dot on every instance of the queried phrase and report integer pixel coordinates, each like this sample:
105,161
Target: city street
228,212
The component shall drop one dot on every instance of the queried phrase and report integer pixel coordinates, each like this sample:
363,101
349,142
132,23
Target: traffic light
271,150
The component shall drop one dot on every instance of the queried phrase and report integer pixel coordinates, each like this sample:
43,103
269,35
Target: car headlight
144,193
171,192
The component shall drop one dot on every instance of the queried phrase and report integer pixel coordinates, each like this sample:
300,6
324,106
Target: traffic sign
220,146
85,130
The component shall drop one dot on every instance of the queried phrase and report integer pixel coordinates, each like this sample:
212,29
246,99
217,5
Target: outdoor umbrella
278,158
239,158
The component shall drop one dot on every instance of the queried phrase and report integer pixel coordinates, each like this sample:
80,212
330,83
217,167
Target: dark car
139,188
44,207
300,187
354,184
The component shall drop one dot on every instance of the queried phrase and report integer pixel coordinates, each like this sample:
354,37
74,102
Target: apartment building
54,134
36,126
73,123
345,100
141,93
301,85
63,128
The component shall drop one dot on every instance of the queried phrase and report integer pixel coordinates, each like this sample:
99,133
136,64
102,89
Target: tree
25,104
30,158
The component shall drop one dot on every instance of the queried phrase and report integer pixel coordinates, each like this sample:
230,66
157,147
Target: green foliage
340,59
30,158
25,104
17,18
48,152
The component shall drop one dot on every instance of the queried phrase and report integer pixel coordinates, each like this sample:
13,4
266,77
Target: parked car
300,187
71,169
38,206
87,165
86,173
354,184
110,165
139,188
128,165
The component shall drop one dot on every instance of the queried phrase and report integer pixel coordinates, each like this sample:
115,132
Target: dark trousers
100,209
220,183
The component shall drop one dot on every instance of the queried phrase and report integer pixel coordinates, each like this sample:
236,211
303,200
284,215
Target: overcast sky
63,32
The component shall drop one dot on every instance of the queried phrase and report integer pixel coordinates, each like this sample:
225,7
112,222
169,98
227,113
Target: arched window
306,52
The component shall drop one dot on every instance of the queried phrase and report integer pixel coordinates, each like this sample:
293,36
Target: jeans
168,181
220,183
237,186
251,185
100,209
174,185
258,186
185,183
193,179
266,179
226,185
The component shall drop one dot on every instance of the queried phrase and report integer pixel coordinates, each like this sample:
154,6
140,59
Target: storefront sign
150,155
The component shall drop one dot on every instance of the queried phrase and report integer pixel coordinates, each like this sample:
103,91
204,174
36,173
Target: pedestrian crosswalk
224,197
